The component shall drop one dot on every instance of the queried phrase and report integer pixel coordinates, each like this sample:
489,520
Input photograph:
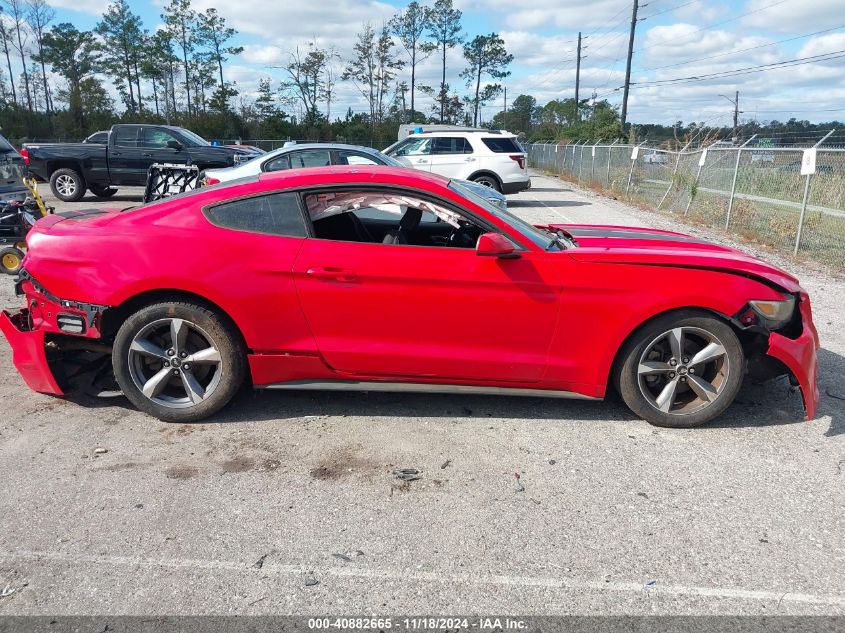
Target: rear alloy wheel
67,185
10,260
488,181
103,192
682,370
178,361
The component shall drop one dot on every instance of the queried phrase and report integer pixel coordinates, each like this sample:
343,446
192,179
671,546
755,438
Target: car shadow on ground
548,203
128,197
548,189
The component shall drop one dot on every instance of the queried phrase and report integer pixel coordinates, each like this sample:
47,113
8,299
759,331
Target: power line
710,26
742,50
744,71
669,10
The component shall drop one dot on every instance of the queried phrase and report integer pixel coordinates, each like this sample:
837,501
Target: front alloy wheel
681,372
178,361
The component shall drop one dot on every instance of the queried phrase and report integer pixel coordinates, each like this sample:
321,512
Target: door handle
116,154
469,159
421,160
147,154
329,272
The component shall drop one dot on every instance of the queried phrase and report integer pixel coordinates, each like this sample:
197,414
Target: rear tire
488,181
103,192
681,370
67,185
178,361
10,260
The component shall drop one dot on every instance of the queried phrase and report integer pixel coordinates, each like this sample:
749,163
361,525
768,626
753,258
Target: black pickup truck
124,160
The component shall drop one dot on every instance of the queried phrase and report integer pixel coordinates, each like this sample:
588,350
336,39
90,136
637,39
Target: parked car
249,149
387,279
493,159
12,172
295,156
124,160
655,158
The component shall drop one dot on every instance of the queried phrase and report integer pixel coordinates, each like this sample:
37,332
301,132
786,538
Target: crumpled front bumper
799,356
28,353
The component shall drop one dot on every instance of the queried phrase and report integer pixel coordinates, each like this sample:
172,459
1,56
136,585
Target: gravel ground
286,502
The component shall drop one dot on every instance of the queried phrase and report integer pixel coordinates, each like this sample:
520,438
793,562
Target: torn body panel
36,335
799,356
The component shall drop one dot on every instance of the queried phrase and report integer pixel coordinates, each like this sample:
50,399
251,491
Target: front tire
178,361
67,185
103,192
681,370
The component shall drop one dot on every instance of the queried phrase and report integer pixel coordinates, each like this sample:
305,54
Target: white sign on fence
703,158
808,162
635,153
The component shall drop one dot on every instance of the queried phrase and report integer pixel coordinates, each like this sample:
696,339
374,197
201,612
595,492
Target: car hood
653,247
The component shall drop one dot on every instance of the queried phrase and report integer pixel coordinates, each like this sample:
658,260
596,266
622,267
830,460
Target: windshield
193,139
5,146
543,239
388,160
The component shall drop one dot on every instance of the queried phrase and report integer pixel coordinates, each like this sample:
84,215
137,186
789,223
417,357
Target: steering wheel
464,236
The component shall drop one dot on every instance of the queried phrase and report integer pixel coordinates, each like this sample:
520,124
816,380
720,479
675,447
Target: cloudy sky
681,40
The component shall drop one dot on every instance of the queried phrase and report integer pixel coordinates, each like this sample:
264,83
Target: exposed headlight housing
772,315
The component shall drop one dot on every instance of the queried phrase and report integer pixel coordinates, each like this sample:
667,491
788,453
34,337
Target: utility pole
736,117
628,65
577,77
735,102
505,109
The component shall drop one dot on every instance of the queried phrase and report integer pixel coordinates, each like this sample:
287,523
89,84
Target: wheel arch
485,172
746,338
55,165
114,316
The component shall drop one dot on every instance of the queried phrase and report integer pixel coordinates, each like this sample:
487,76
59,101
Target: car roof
328,146
377,174
495,133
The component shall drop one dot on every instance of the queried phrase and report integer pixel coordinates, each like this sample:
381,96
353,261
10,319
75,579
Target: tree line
177,74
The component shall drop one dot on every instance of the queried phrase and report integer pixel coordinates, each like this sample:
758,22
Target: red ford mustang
389,279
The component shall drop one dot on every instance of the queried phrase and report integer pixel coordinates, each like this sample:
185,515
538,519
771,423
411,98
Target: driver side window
389,217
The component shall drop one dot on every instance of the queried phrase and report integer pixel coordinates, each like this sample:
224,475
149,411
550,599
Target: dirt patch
239,464
181,471
341,465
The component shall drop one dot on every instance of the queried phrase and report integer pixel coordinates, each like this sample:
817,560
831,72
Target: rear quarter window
502,144
273,214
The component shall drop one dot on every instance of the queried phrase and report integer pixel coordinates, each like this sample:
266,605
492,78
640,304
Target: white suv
491,158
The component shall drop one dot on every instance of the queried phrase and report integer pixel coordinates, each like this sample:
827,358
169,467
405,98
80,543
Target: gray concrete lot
286,502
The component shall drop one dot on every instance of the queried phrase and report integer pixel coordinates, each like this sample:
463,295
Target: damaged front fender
28,353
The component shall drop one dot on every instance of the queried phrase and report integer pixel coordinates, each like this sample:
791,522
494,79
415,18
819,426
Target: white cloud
91,7
793,16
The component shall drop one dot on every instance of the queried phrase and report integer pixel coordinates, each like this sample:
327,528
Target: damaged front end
784,346
57,343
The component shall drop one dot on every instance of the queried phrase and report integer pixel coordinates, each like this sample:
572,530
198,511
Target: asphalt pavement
287,502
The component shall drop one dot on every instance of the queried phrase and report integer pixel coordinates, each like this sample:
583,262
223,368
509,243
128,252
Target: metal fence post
631,172
674,173
803,212
806,198
609,155
733,184
593,163
581,162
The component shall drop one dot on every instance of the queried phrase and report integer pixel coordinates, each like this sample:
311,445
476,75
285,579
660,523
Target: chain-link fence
758,193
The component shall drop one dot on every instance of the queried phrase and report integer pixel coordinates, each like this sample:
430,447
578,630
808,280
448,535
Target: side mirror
174,145
495,245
